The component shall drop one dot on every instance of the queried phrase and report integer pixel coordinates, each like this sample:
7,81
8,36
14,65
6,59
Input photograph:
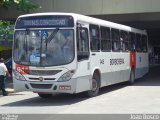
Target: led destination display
44,22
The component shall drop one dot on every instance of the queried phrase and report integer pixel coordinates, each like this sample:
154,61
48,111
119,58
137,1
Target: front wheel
95,86
45,95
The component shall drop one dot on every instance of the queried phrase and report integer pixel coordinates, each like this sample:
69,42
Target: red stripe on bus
133,59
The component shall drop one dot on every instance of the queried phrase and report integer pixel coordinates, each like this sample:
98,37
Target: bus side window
144,43
82,43
105,39
132,38
124,41
95,38
115,40
138,43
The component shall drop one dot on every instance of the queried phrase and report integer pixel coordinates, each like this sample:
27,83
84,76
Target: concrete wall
95,7
90,7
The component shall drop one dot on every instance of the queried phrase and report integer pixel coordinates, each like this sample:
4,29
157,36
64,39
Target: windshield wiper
50,38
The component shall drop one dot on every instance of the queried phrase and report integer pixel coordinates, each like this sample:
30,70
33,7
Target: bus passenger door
83,71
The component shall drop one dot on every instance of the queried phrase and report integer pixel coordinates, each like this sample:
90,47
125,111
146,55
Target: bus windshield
43,47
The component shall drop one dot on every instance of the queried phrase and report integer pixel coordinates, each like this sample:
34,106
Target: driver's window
82,43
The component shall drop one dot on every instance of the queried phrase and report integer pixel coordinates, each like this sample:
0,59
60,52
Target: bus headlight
18,76
67,76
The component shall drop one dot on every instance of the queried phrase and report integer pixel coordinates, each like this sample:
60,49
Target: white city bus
72,53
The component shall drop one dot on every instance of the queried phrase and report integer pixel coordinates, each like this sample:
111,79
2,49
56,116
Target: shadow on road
60,99
56,100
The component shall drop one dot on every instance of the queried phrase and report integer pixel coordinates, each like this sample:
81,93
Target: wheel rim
94,84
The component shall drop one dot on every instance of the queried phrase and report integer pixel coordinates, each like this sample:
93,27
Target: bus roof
91,20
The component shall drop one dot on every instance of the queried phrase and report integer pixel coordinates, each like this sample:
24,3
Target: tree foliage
21,5
5,26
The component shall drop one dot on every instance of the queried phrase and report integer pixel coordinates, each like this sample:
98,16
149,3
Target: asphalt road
142,98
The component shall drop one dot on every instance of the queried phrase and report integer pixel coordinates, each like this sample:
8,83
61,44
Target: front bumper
46,87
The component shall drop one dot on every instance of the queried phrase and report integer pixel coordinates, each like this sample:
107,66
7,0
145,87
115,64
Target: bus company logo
41,79
9,117
118,61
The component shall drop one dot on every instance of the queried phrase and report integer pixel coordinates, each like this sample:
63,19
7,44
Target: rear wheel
45,95
95,86
132,77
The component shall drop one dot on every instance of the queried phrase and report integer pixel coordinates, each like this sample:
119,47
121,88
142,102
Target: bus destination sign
44,22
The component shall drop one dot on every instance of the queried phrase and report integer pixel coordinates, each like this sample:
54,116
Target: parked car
8,64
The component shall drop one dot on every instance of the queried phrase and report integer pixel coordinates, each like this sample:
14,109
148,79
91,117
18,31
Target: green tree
5,26
21,5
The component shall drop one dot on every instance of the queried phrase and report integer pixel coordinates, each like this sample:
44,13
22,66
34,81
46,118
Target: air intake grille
38,79
41,86
44,72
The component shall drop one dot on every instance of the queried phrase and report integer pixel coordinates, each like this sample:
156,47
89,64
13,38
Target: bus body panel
142,63
83,76
19,85
105,68
120,67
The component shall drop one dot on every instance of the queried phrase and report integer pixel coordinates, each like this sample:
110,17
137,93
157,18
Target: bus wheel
95,86
45,95
132,77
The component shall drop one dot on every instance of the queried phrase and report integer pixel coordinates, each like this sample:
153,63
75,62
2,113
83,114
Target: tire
95,86
132,77
45,95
